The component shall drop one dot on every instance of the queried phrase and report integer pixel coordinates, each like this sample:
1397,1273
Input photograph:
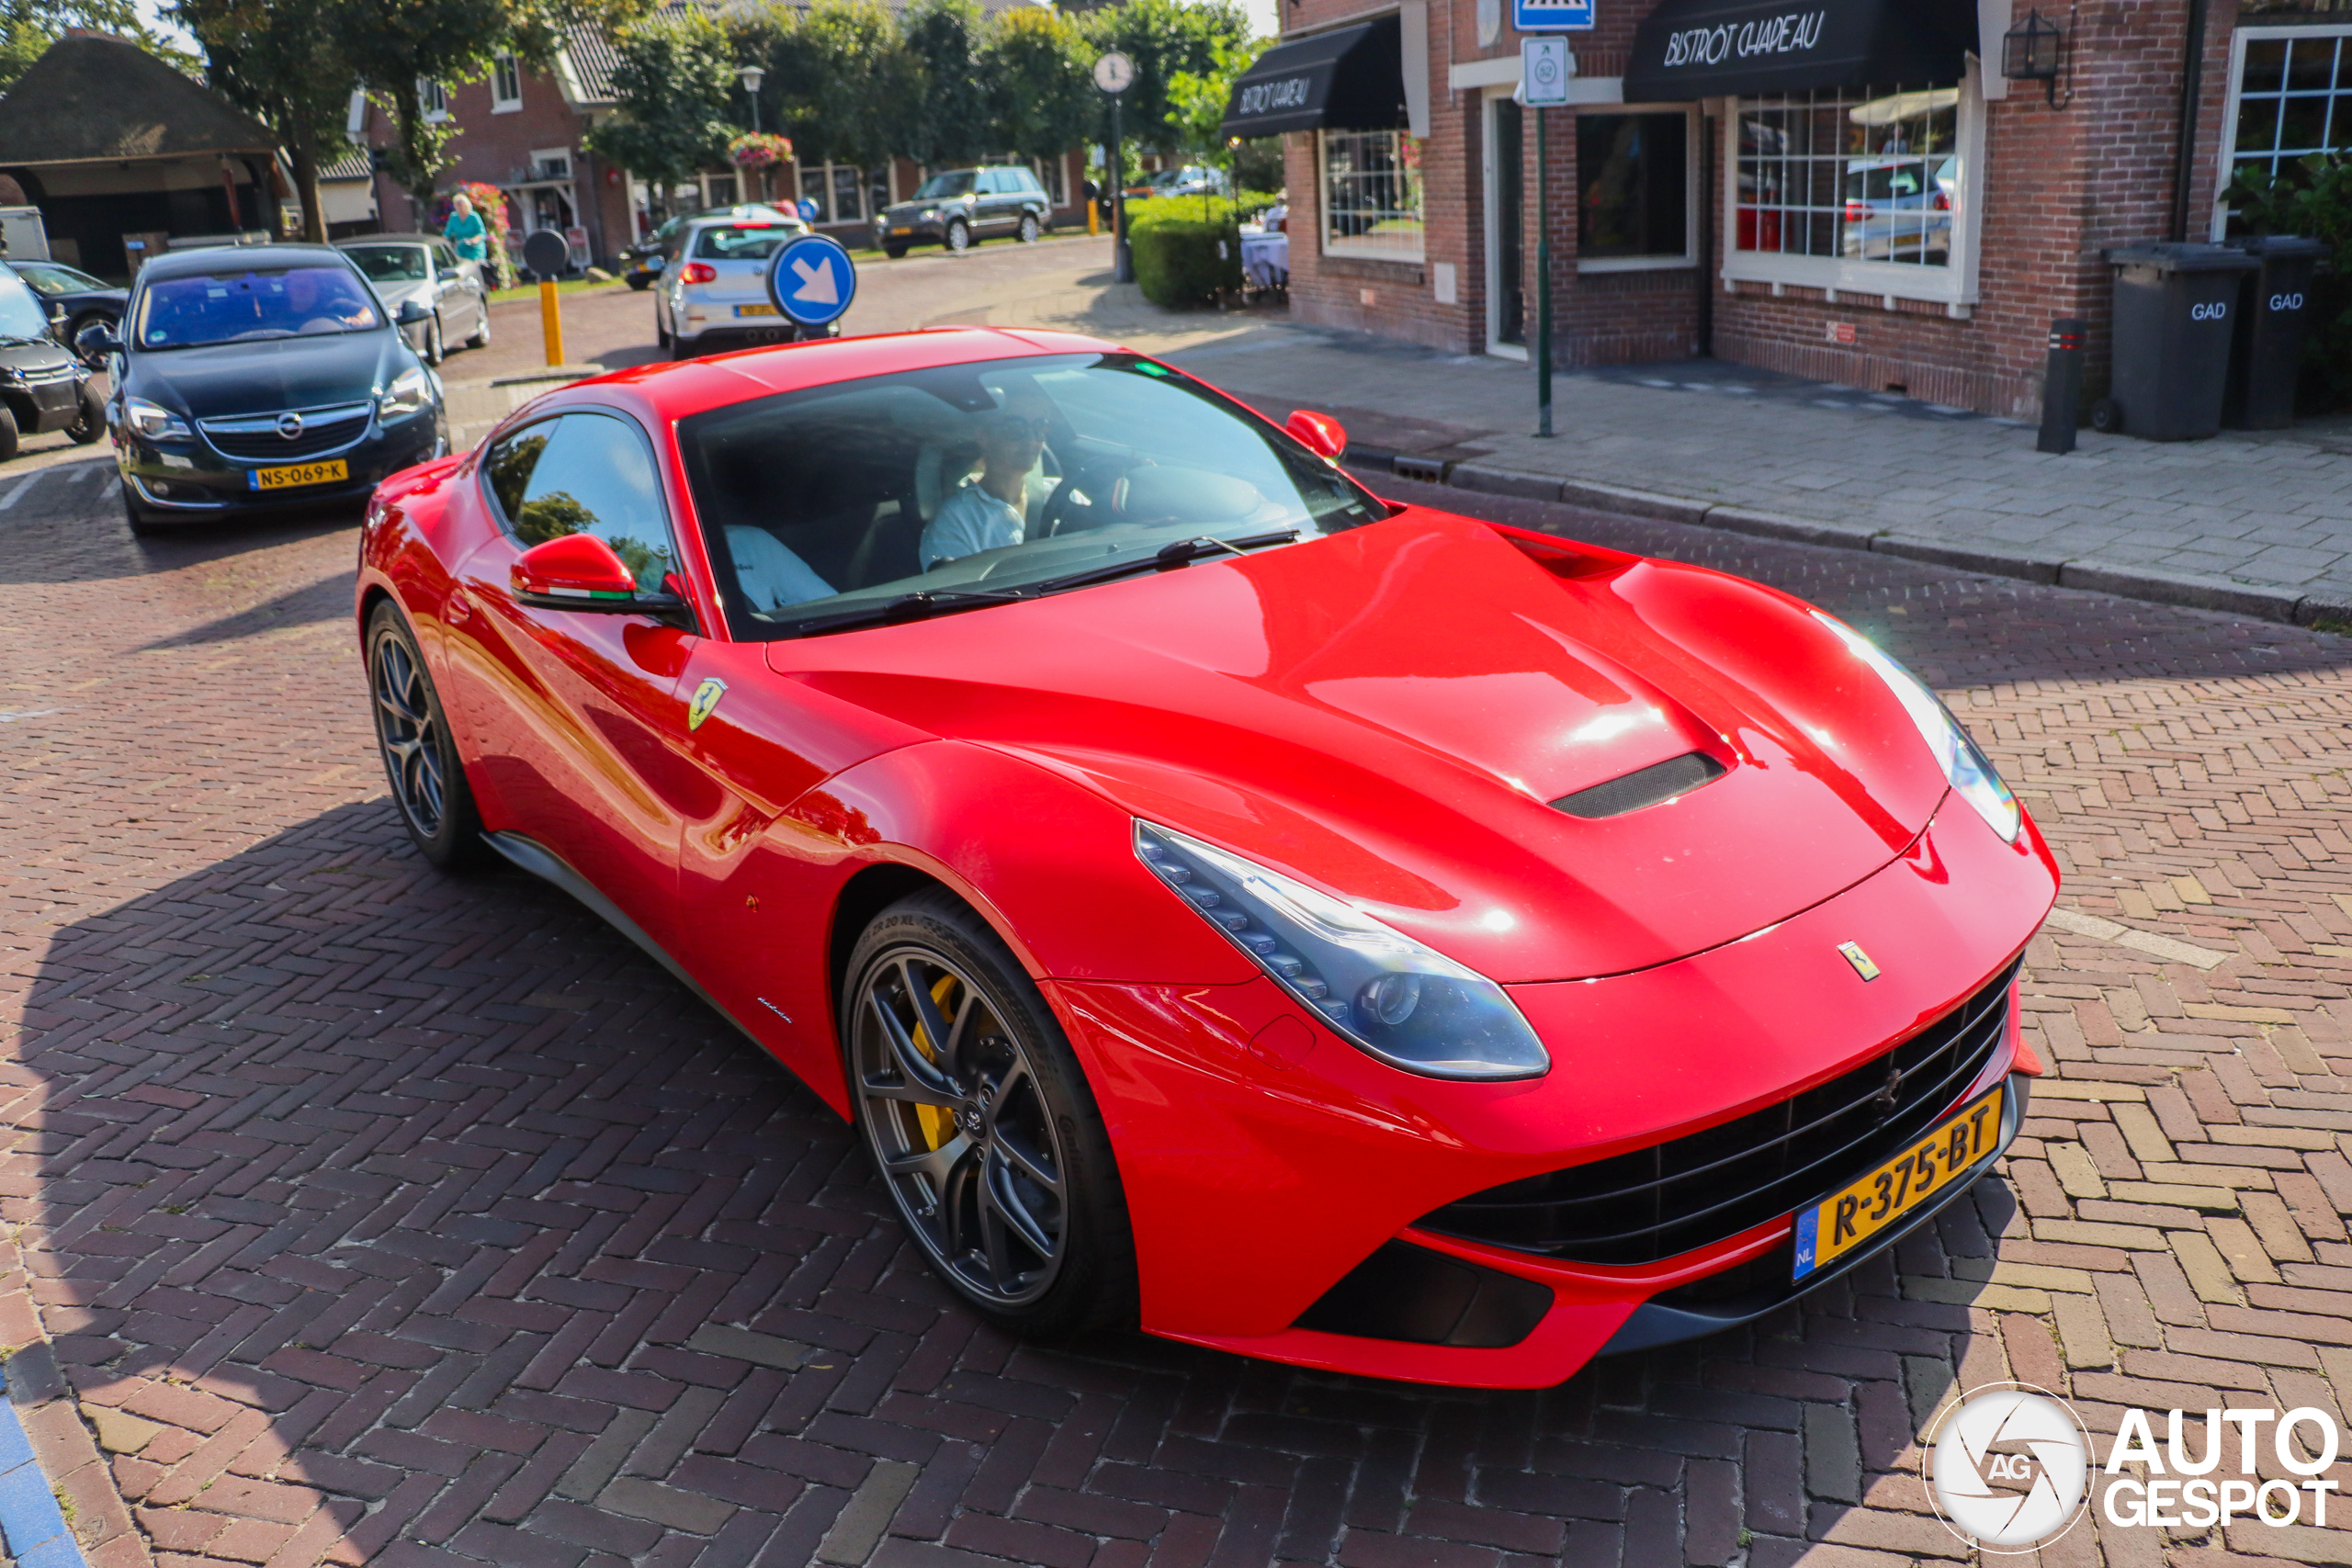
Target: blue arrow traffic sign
812,280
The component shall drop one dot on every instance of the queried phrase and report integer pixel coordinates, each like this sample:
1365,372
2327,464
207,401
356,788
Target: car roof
408,239
208,258
662,391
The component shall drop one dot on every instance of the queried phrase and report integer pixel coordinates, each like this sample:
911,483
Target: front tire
1029,230
959,236
435,350
896,252
639,282
93,422
421,762
979,1119
481,325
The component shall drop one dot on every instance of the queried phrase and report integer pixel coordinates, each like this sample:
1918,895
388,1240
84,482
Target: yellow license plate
903,229
295,474
755,310
1843,1221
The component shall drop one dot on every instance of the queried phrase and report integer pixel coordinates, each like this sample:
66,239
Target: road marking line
29,1516
2172,950
23,485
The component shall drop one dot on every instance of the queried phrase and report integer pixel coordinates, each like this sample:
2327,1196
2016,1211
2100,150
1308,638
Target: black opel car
260,377
42,386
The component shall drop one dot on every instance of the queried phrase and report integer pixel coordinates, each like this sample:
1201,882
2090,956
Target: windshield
940,185
241,307
51,278
749,241
20,314
997,478
389,264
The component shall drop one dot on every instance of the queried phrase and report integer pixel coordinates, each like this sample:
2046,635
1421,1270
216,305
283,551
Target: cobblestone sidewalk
2262,525
371,1215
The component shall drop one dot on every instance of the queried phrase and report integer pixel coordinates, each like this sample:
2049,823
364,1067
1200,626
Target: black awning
1706,49
1347,79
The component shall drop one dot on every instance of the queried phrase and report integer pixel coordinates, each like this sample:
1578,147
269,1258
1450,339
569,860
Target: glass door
1506,227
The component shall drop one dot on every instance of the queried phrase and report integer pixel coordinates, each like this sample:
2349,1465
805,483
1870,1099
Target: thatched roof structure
92,97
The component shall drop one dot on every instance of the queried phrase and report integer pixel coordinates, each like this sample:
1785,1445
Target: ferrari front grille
1687,1193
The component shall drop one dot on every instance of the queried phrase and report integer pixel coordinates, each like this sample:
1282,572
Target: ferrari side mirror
1320,432
577,571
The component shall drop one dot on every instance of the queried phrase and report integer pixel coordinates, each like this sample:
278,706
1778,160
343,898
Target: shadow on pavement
404,1212
69,527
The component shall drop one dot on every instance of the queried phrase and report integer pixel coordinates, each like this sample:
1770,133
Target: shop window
1371,195
843,192
505,84
2292,100
718,190
1867,189
1052,174
1633,189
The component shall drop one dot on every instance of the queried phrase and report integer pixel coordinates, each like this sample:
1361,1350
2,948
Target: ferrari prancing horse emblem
1853,949
707,698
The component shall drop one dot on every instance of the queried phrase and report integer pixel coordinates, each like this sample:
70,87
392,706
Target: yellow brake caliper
938,1123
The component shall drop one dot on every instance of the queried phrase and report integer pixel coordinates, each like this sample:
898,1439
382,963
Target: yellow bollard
550,321
1093,216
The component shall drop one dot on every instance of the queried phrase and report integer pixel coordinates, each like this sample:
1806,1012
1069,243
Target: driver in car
320,300
993,512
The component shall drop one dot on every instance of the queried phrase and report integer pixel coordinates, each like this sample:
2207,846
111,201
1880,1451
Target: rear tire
2107,416
975,1110
421,762
481,327
639,282
896,252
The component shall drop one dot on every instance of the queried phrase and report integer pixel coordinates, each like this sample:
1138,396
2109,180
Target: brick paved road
379,1217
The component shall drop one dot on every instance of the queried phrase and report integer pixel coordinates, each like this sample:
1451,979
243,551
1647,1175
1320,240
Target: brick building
1849,190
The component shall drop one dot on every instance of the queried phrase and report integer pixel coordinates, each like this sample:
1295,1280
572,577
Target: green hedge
1184,257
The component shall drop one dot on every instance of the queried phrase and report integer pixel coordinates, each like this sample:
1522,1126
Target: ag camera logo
2007,1468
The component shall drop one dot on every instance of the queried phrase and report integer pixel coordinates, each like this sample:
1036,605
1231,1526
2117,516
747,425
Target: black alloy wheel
435,350
1029,230
421,762
978,1118
959,235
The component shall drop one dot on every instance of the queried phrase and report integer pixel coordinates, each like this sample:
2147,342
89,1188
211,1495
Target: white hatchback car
714,293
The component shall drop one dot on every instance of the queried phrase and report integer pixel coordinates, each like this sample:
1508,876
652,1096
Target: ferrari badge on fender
1853,949
707,698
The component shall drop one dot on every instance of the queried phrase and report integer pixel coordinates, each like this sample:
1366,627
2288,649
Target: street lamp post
751,76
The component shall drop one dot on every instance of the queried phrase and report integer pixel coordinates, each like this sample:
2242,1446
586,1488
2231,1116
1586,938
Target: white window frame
824,172
2226,169
1349,250
505,72
542,156
1490,200
433,97
1061,173
1952,286
1694,129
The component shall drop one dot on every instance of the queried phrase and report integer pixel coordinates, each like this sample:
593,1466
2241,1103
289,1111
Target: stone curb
2154,584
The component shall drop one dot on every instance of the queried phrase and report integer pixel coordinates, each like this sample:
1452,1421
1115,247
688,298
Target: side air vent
1408,1292
1644,786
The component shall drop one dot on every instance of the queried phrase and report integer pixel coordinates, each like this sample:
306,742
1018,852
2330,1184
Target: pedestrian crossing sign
1551,16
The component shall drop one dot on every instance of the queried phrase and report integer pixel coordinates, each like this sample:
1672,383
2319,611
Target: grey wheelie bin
2175,306
2274,305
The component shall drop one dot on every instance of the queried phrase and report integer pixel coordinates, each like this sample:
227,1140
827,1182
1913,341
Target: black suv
959,208
44,385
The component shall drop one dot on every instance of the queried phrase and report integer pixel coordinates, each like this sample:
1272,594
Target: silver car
714,293
423,267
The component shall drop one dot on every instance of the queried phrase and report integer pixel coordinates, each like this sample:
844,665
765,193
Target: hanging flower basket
759,150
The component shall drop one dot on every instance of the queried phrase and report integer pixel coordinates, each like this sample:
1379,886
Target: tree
843,82
1039,63
1163,38
673,91
950,116
1197,100
28,26
278,59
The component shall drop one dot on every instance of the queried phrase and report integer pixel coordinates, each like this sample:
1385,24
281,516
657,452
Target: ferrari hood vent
1644,786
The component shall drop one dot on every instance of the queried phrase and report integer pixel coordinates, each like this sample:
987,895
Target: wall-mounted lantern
2034,51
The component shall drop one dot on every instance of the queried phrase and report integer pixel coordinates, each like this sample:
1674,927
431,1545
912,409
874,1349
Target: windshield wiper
915,606
1168,557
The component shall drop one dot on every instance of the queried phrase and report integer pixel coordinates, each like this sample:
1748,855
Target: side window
444,258
1027,182
585,473
991,183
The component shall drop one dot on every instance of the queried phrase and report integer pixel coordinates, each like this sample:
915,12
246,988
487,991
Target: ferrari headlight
1387,994
409,391
153,421
1971,772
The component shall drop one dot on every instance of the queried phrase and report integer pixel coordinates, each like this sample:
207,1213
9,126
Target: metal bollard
2062,387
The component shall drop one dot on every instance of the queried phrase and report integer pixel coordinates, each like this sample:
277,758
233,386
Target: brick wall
2058,184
